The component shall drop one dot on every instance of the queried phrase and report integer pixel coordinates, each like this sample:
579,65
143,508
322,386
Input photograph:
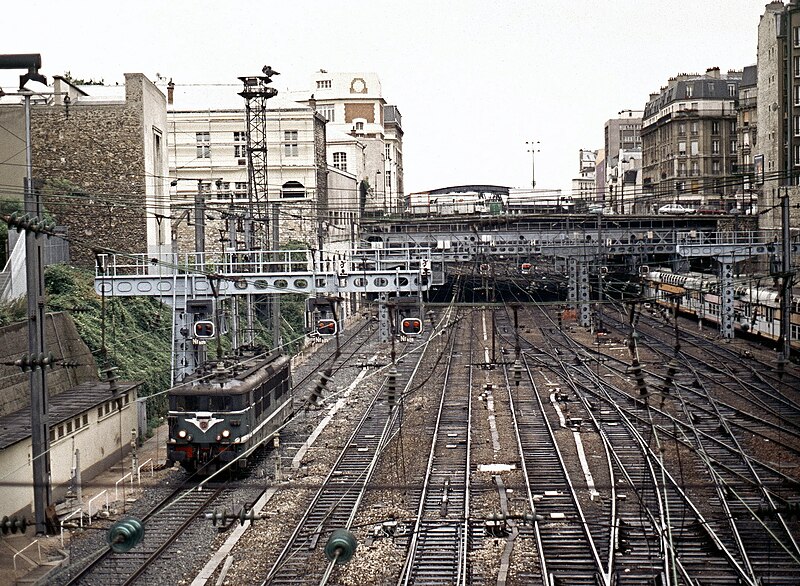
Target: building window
60,431
340,161
240,190
388,152
324,84
327,111
689,91
290,148
682,148
240,144
796,35
99,412
715,127
715,147
796,155
224,188
681,169
733,146
695,127
695,148
746,136
716,167
681,128
293,190
203,145
359,126
732,90
695,168
86,419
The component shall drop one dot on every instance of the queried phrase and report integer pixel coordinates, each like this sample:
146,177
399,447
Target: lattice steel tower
256,92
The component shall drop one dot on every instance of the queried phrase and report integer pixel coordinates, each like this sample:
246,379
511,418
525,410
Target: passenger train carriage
757,306
215,416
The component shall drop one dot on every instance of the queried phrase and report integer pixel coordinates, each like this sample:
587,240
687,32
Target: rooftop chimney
170,92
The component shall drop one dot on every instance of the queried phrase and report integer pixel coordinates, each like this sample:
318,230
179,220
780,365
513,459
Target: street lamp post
533,149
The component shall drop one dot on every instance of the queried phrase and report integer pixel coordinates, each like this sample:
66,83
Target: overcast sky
473,79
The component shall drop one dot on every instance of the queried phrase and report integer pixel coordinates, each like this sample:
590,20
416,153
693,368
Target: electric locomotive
219,413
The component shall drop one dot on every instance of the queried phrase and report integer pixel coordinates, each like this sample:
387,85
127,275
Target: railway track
736,488
336,503
569,551
440,538
163,525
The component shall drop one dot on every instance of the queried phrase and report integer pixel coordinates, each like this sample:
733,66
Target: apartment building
583,186
317,204
690,141
353,104
776,152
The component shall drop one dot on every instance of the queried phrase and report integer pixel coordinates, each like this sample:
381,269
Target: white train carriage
757,307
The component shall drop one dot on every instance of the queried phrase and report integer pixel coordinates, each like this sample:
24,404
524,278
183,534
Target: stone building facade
100,157
689,141
778,112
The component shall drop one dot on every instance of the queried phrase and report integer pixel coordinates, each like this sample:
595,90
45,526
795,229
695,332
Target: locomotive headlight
182,434
226,433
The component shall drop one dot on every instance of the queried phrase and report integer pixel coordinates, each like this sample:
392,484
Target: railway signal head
326,327
204,330
411,326
124,535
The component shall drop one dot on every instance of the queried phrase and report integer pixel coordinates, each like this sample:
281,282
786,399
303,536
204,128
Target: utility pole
40,437
533,149
786,281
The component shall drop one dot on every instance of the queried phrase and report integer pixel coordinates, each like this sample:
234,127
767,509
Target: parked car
675,209
710,211
597,209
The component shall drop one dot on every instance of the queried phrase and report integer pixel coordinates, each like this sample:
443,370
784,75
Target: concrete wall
62,339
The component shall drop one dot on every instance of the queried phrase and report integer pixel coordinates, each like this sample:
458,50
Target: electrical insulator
204,330
327,327
319,389
340,546
217,517
124,535
391,387
560,316
13,524
517,368
672,368
411,326
33,361
636,371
